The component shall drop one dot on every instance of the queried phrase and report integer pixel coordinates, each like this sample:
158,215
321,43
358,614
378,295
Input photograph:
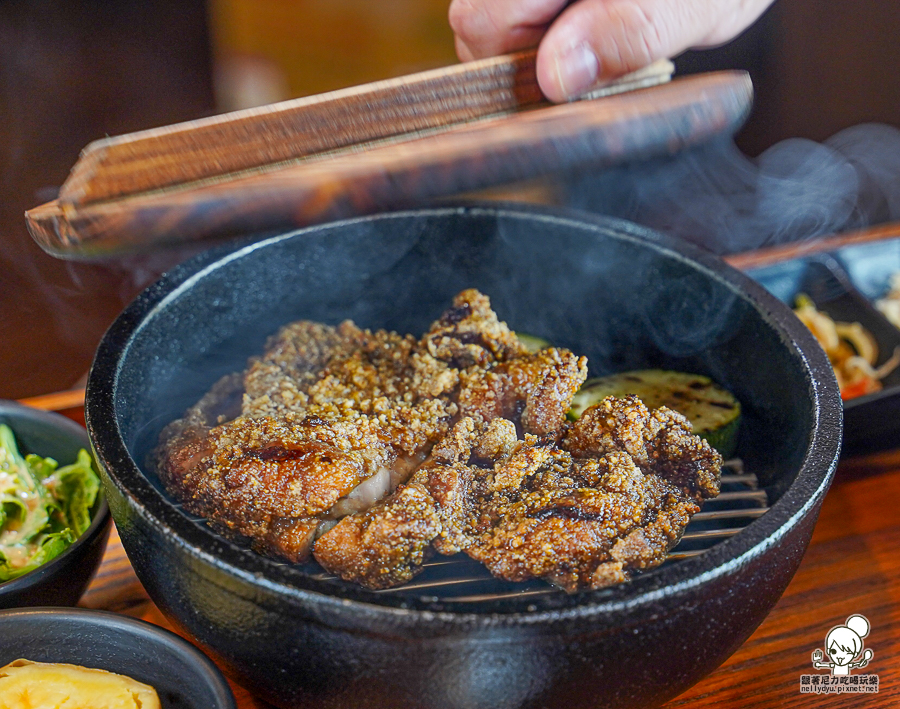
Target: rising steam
719,198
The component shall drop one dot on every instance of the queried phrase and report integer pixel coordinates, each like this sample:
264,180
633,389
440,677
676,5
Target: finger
594,41
462,51
597,40
484,28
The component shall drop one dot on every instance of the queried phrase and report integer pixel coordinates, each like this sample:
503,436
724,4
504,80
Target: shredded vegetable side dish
43,508
851,349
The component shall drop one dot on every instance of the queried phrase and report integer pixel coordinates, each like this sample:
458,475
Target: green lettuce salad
43,508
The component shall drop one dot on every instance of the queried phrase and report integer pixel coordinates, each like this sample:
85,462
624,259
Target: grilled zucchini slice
532,343
714,413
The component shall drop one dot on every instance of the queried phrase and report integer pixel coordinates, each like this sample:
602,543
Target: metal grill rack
464,580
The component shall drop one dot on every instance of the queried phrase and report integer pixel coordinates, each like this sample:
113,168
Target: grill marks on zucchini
714,413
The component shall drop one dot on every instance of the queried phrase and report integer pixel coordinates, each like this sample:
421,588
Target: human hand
817,656
590,42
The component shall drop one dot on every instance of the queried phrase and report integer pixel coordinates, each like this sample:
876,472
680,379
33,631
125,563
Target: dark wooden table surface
852,567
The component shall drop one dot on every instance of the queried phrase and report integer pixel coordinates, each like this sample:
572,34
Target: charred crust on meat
456,314
371,451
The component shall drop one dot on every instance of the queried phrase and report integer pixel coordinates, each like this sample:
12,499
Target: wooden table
852,567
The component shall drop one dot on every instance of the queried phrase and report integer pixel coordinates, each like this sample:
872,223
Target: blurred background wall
309,46
72,71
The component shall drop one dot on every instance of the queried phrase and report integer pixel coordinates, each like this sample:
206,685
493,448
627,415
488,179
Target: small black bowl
871,421
183,677
61,581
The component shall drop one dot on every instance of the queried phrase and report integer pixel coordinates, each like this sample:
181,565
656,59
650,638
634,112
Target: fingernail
577,68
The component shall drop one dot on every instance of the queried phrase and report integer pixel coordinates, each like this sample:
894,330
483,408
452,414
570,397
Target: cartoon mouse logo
844,643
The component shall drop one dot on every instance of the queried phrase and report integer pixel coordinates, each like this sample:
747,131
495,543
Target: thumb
595,41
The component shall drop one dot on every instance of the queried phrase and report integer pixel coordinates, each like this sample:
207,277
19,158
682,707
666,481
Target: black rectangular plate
843,284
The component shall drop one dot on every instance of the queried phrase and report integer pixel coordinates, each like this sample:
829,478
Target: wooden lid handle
379,146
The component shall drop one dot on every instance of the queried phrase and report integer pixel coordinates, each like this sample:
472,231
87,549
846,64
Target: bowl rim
100,522
801,497
146,631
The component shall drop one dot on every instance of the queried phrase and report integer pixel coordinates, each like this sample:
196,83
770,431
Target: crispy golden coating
266,478
586,537
386,545
279,381
371,450
585,507
660,441
328,420
536,389
350,375
469,334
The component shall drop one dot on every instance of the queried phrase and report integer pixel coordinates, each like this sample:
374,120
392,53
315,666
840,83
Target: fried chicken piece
470,334
331,419
325,411
636,480
535,390
587,537
274,479
659,441
386,545
584,506
465,426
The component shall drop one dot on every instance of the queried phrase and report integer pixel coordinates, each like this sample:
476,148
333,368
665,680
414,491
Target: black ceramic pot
625,297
